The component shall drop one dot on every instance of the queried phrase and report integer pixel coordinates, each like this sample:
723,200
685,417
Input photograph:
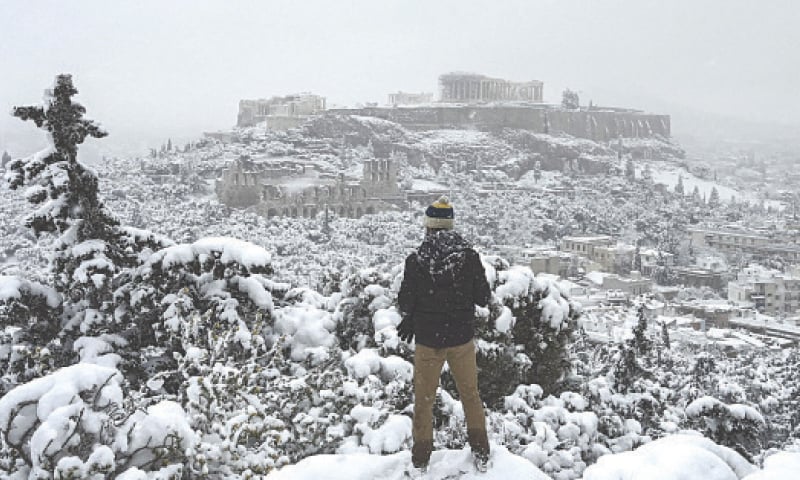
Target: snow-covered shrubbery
538,321
74,423
29,318
214,294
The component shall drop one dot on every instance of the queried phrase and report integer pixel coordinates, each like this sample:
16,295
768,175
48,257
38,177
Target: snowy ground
444,464
676,457
668,175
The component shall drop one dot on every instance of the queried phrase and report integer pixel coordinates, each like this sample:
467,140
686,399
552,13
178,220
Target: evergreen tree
647,174
713,199
641,342
679,185
637,259
570,100
696,194
91,247
542,330
630,169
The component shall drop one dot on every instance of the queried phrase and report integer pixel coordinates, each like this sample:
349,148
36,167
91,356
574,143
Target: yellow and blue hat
440,214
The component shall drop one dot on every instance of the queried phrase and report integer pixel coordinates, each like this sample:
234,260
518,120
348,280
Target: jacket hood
442,255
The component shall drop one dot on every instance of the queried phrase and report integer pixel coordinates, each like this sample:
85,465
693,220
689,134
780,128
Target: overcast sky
152,69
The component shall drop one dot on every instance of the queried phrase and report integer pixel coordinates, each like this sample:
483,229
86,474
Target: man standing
443,281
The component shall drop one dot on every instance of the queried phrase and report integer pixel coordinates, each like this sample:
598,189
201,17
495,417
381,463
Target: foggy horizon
149,71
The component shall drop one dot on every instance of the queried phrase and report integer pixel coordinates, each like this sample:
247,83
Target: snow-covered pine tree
541,322
679,186
665,335
713,198
89,249
641,342
696,194
630,169
92,247
570,100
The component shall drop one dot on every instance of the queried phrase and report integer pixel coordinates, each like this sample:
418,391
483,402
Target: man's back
443,281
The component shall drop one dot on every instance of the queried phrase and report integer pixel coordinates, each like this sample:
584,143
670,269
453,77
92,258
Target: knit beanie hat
439,214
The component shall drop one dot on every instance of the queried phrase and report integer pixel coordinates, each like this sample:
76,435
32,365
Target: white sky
152,69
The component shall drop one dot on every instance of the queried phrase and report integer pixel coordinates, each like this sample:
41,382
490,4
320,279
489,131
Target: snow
390,437
504,322
13,288
596,277
97,350
423,185
682,456
231,250
554,308
161,422
253,286
387,317
308,329
705,404
668,176
59,389
369,362
444,464
780,466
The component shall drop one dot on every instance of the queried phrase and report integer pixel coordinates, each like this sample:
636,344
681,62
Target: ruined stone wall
342,200
598,125
603,126
238,188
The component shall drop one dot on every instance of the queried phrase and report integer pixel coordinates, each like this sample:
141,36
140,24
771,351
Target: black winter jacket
443,281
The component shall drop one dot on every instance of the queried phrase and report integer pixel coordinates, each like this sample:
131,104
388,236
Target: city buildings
769,291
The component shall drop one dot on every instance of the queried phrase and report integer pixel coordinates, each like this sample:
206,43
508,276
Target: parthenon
474,88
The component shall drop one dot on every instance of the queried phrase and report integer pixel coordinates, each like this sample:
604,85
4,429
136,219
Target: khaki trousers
428,363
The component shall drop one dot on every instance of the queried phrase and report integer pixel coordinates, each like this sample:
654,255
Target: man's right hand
405,330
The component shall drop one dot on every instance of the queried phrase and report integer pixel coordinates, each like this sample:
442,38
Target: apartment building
769,291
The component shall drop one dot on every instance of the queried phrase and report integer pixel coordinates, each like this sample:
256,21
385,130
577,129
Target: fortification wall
598,125
606,125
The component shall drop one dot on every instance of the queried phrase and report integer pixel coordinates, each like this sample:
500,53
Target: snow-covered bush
362,294
541,323
29,318
74,423
737,426
213,294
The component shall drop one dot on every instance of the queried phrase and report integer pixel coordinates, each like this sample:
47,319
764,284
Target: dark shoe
479,442
481,461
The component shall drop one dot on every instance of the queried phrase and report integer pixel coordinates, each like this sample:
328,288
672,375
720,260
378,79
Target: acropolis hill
471,101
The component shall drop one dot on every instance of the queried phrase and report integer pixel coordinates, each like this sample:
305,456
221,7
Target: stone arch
359,212
294,211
